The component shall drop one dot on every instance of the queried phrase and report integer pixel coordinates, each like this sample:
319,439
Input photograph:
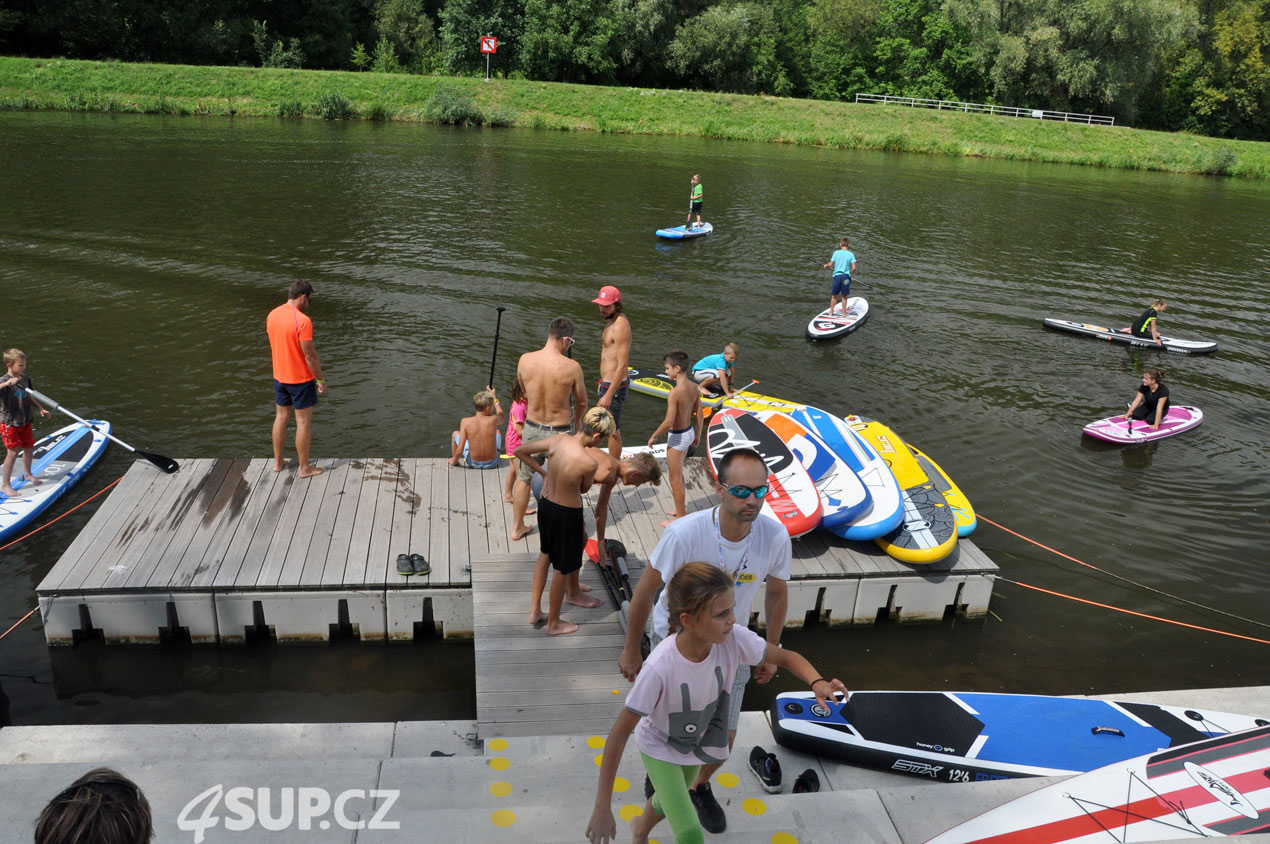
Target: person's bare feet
454,461
520,533
564,628
310,471
8,490
531,512
31,479
279,465
507,498
581,601
583,587
668,521
537,618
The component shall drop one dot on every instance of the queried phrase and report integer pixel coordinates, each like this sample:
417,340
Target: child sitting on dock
15,419
716,373
478,440
682,426
678,707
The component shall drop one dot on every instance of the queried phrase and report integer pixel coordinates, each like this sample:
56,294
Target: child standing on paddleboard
15,419
682,426
694,200
678,706
843,263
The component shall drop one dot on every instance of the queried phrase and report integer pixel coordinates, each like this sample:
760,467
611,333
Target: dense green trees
1193,65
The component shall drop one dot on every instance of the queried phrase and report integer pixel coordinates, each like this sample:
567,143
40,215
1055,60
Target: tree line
1184,65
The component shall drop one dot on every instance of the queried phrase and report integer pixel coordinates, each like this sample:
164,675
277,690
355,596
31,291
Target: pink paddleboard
1117,429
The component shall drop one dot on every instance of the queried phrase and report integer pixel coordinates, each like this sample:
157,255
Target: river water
139,256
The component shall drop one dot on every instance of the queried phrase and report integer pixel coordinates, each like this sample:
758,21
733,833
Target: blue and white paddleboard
684,232
843,497
968,736
58,461
887,511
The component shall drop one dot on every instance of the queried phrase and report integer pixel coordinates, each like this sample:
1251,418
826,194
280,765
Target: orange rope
20,620
59,518
1134,612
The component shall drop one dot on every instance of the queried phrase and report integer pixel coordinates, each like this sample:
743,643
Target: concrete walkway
521,789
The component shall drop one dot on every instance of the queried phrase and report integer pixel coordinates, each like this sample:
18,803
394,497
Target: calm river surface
139,256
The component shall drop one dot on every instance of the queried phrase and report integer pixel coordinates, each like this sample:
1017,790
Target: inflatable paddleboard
792,500
826,325
685,233
1117,429
929,530
887,509
59,460
963,513
1207,789
652,382
968,736
843,497
1172,344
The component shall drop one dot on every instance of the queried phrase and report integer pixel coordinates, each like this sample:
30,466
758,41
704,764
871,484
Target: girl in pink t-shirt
515,428
678,707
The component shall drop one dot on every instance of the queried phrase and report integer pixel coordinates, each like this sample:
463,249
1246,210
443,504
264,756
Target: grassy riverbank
259,92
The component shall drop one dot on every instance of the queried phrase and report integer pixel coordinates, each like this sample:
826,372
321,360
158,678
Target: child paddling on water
843,263
15,419
678,706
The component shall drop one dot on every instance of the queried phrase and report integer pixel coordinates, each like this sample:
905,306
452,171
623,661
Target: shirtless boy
682,426
478,437
556,398
561,524
615,357
610,471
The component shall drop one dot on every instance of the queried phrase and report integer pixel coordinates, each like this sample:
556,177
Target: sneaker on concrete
709,812
767,768
807,782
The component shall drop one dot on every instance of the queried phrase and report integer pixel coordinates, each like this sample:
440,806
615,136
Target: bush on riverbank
242,91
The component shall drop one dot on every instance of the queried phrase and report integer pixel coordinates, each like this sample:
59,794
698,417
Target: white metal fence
1008,111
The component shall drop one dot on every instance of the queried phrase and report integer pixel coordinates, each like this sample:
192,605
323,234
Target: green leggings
671,800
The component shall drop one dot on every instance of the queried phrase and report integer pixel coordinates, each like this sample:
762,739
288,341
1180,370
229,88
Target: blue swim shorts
300,396
841,284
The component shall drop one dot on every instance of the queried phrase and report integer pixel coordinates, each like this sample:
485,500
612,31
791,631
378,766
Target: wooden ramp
529,683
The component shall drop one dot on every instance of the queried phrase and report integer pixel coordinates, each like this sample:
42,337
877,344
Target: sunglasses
746,491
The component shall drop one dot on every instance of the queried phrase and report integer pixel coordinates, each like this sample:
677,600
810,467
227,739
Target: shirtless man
550,380
615,357
610,471
561,524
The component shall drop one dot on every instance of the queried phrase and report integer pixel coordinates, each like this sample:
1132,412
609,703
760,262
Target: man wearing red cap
615,357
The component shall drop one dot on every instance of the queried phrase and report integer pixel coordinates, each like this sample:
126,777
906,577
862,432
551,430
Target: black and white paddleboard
1170,344
829,324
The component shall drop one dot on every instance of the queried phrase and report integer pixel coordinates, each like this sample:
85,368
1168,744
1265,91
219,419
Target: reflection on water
147,252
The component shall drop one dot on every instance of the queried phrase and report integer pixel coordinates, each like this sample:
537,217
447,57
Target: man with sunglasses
555,398
752,550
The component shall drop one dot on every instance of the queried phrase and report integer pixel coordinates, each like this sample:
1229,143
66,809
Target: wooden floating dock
226,550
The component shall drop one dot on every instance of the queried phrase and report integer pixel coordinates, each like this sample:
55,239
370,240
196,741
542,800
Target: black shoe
404,566
807,782
709,812
767,768
648,788
420,564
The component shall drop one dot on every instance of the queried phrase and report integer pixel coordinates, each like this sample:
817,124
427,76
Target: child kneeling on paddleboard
678,706
1152,401
717,371
478,439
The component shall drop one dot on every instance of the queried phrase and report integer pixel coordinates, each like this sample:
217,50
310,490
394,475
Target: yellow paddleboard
964,513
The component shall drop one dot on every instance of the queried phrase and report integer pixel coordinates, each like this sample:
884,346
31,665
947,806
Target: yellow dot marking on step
599,757
728,780
753,806
621,785
498,744
503,818
595,742
784,838
501,789
499,763
617,691
630,810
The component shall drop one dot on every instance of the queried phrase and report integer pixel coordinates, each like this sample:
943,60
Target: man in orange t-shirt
297,374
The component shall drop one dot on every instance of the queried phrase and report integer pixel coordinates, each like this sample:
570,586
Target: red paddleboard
793,499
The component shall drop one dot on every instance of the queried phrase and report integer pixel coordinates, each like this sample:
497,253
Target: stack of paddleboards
1171,344
833,322
1117,429
966,737
685,232
58,461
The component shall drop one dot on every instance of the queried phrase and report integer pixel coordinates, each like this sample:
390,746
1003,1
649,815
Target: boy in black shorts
561,525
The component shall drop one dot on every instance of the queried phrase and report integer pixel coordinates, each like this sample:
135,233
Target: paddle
167,464
494,357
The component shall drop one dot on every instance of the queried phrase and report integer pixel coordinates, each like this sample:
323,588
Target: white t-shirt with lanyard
766,551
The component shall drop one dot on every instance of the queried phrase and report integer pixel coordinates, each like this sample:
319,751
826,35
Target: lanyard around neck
745,552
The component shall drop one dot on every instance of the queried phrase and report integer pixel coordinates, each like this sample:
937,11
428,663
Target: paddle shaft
854,280
497,325
167,464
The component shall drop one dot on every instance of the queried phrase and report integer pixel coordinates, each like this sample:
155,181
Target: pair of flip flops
408,564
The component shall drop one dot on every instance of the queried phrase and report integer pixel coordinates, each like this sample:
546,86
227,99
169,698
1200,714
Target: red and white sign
489,44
